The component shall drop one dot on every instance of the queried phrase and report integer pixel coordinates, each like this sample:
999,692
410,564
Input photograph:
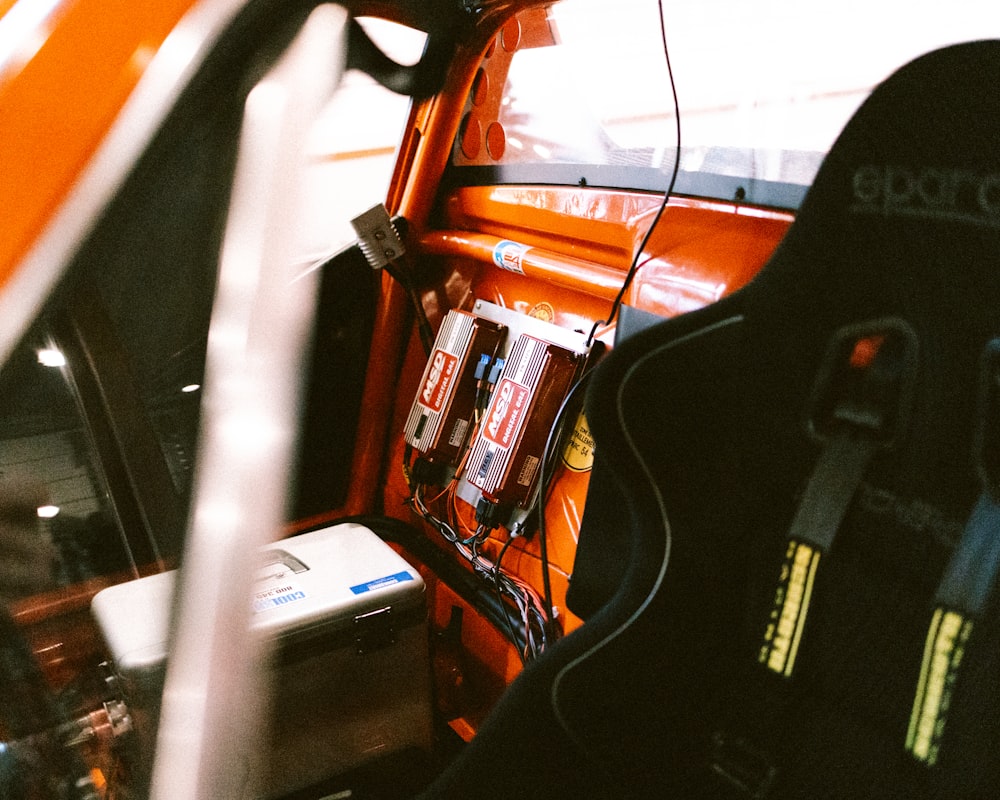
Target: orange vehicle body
61,89
60,100
61,92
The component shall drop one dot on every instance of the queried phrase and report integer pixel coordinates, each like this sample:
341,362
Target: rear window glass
579,93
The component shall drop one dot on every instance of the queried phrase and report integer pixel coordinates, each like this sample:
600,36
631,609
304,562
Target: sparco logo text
930,193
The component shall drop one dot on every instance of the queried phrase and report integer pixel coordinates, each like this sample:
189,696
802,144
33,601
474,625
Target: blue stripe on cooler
381,583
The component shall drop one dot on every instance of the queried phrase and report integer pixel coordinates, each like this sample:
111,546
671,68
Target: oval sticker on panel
509,255
578,455
543,311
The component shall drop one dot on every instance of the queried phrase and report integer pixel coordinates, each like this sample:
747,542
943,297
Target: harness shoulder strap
858,407
964,591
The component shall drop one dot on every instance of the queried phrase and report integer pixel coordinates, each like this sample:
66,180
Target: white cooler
352,670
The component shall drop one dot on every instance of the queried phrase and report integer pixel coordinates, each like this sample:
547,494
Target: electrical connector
377,237
484,362
427,473
491,515
495,371
526,528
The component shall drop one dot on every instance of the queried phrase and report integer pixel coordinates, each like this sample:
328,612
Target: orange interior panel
580,243
60,97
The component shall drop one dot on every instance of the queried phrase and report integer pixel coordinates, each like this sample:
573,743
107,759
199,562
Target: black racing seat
804,474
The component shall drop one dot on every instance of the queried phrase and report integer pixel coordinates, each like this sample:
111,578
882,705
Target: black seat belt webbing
838,473
965,587
958,603
857,408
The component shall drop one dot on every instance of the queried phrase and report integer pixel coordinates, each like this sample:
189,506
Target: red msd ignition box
442,411
507,453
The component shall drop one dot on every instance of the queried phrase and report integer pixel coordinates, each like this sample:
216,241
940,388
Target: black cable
545,473
491,572
634,267
424,329
499,591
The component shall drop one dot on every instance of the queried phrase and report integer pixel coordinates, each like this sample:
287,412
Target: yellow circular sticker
543,311
578,455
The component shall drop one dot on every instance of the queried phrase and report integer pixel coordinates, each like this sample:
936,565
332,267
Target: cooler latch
374,630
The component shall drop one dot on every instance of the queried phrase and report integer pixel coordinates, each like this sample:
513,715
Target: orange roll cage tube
536,263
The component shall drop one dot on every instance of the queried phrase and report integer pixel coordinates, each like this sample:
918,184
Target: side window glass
57,525
156,314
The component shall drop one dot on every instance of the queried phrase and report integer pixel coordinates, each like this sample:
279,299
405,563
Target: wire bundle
518,599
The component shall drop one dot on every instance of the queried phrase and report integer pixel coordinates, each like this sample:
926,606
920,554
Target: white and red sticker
509,255
439,379
506,413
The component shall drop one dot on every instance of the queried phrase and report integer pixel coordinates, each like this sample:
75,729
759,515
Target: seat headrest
913,181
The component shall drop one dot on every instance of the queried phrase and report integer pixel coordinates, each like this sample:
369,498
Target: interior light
191,387
48,512
50,357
